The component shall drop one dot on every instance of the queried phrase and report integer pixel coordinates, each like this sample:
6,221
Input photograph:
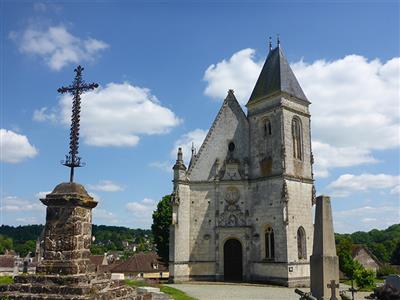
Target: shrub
364,278
386,270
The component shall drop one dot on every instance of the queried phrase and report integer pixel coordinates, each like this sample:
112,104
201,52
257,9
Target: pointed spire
179,167
278,40
276,76
193,150
179,155
270,44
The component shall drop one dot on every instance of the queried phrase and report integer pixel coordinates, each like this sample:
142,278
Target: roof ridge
228,98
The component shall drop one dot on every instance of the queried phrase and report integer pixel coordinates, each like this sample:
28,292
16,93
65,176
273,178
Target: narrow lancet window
301,243
267,128
297,140
269,243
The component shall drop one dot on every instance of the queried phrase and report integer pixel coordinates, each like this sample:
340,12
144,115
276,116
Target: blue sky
164,69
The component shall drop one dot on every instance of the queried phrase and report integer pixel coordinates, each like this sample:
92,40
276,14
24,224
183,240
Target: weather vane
76,89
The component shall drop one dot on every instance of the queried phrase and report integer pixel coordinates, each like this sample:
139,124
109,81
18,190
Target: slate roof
141,262
276,76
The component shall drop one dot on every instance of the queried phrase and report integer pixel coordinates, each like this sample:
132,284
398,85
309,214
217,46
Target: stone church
242,208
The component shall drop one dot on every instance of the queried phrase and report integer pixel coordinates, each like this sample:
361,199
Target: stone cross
333,286
76,89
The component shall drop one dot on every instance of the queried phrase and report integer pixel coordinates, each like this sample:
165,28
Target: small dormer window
231,147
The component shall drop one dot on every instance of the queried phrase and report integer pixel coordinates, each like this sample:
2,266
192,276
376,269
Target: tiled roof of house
7,261
97,259
356,248
141,262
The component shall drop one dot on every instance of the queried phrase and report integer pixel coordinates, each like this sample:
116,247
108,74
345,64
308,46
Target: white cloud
142,210
354,102
395,190
16,204
367,217
101,214
239,73
106,186
185,141
56,46
42,115
27,220
15,147
41,195
327,157
162,165
348,183
117,114
39,7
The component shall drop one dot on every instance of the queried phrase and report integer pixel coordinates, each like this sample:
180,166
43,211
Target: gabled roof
356,248
230,102
276,76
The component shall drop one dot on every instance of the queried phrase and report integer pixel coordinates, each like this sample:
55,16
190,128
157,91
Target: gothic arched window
301,243
296,137
269,243
267,127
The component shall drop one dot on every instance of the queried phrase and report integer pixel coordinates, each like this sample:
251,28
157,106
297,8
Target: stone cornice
309,180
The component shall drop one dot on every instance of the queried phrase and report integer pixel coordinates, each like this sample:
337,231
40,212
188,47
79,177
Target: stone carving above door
232,215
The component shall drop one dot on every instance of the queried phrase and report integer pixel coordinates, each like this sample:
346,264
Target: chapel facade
242,208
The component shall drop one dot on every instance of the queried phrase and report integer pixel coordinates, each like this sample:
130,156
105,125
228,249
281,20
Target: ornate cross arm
76,89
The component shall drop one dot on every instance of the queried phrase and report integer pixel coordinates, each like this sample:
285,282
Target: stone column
68,231
324,261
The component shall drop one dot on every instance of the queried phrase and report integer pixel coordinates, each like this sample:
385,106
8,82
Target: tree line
22,239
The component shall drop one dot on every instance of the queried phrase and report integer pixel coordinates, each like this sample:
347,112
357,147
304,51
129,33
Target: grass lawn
6,280
368,289
174,293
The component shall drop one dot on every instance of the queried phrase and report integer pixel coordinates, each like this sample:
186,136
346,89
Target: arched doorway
233,260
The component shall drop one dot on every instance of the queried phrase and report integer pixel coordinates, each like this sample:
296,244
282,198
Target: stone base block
73,287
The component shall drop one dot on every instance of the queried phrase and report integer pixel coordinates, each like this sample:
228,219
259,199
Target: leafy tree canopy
162,219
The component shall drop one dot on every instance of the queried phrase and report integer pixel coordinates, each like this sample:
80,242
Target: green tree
6,243
24,248
347,264
395,259
379,250
162,219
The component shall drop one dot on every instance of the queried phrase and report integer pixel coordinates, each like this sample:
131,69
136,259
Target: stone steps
29,296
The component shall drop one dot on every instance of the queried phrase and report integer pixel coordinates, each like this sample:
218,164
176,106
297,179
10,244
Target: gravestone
393,280
324,262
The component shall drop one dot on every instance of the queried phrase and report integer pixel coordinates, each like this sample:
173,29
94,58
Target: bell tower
281,170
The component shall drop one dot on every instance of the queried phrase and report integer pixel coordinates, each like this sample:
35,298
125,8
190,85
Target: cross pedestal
65,271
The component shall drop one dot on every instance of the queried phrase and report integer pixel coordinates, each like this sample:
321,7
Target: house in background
100,262
7,263
364,256
11,263
141,265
